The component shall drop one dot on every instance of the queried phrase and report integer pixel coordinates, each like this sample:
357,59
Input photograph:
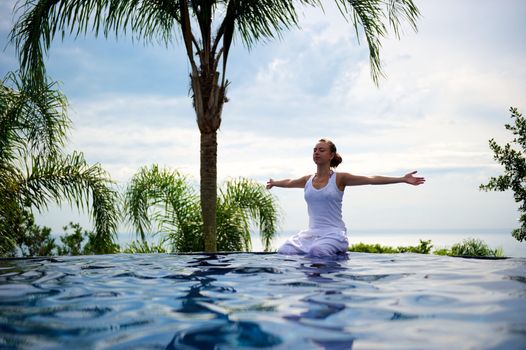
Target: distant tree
32,239
72,242
163,201
207,29
34,171
513,158
82,242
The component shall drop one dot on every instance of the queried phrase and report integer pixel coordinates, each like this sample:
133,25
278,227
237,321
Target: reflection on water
249,301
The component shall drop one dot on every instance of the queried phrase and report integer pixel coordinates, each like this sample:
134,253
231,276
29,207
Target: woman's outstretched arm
357,180
288,183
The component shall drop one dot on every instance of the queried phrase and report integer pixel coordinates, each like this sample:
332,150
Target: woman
323,193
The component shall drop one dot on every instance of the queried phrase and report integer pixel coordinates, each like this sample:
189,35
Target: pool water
258,301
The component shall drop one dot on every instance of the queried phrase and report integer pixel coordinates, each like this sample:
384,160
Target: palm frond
33,169
11,209
370,16
162,198
32,117
41,20
256,203
233,230
140,196
266,19
147,20
402,11
70,178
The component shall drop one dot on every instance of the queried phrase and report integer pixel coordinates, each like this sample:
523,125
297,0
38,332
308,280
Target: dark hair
337,158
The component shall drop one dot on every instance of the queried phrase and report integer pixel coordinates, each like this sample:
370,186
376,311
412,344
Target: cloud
124,109
126,132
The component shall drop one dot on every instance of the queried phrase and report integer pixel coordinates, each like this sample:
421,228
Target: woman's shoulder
305,178
341,178
342,174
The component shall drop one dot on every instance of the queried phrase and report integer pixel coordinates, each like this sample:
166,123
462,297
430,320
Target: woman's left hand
413,180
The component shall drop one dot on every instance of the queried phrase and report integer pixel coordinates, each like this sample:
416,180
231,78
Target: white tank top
324,205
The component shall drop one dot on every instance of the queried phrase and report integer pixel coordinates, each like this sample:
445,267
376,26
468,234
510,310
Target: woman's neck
323,171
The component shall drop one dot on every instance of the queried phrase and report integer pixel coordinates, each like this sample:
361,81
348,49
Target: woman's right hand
270,184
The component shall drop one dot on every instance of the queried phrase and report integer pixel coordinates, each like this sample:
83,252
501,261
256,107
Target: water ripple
241,301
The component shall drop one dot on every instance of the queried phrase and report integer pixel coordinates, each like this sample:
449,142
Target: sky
447,91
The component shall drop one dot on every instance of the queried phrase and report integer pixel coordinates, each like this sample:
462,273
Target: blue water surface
262,301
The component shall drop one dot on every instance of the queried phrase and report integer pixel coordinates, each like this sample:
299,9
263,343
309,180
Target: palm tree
163,201
207,28
33,169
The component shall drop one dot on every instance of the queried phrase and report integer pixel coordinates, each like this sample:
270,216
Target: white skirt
316,242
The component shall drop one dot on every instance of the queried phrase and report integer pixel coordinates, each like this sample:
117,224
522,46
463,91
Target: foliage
35,172
243,200
371,248
513,158
470,247
160,200
474,247
13,225
31,239
140,246
34,240
423,248
73,243
207,29
442,251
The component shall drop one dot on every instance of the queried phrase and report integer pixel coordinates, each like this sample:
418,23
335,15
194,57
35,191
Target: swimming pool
254,301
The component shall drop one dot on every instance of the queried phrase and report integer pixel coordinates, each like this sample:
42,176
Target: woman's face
322,153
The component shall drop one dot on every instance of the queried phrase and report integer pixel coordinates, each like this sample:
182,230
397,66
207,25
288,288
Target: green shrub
143,247
27,238
423,248
469,247
73,243
442,251
474,247
371,248
38,241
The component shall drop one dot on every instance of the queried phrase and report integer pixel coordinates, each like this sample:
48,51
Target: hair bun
336,160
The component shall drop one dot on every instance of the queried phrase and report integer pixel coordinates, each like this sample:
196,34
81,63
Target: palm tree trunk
209,188
208,103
